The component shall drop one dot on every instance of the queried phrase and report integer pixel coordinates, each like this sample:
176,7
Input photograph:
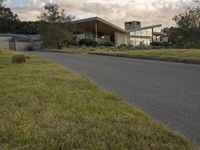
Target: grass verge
44,106
177,55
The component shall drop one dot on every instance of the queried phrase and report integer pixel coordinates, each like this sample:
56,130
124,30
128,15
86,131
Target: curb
54,51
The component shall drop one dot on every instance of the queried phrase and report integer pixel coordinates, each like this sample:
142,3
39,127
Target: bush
107,44
20,58
30,48
156,44
142,47
123,46
87,42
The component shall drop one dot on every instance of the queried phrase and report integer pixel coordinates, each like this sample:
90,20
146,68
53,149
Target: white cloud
116,11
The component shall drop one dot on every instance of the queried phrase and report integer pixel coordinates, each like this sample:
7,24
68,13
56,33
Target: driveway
167,91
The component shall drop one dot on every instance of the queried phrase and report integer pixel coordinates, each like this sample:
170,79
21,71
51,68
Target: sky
149,12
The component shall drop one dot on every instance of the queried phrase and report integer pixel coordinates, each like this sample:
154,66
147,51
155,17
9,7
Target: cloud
116,11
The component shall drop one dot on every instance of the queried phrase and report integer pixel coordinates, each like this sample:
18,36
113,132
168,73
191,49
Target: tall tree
8,20
56,27
188,23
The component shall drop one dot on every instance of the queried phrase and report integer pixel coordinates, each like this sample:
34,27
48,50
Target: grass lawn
45,106
179,54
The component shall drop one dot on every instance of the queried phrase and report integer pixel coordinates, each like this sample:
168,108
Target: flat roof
89,21
147,27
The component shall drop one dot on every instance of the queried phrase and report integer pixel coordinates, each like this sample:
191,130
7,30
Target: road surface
167,91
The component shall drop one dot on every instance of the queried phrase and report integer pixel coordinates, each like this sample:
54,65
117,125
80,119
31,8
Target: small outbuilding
20,42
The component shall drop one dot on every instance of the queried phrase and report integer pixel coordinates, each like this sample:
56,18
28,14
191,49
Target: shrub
123,46
87,42
142,47
156,44
30,48
107,44
20,58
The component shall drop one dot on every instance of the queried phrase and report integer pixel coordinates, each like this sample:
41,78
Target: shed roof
22,37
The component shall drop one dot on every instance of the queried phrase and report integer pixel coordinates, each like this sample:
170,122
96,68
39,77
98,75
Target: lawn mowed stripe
44,106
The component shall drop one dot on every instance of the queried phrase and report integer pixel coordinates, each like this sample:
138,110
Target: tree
56,27
8,20
188,27
1,3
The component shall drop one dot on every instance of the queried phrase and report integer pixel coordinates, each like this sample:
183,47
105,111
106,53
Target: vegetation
185,55
10,23
108,44
187,32
161,44
53,108
19,58
7,18
56,27
87,42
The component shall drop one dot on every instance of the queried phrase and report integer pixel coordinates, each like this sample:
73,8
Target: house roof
103,25
21,37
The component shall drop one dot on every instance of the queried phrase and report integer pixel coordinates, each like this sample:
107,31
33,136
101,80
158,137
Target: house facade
101,31
143,35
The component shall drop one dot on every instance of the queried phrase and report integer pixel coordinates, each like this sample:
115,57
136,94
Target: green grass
181,54
44,106
185,55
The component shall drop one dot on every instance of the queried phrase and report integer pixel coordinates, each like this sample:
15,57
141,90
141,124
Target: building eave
101,20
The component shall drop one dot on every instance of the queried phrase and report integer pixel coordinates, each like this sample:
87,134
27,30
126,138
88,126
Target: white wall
121,38
22,46
4,42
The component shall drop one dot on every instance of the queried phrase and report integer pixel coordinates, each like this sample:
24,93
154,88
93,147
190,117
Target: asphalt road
167,91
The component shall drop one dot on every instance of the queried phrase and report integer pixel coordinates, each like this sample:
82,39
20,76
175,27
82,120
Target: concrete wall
4,42
4,45
121,38
22,46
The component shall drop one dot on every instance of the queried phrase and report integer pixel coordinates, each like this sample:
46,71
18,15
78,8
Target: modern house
141,35
93,28
19,41
103,31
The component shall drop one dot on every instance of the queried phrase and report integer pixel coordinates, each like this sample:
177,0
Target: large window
139,40
147,32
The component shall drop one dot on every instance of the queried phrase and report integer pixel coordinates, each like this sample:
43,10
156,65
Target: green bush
20,58
87,42
156,44
30,48
107,44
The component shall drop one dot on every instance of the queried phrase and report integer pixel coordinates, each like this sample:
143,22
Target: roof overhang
103,26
